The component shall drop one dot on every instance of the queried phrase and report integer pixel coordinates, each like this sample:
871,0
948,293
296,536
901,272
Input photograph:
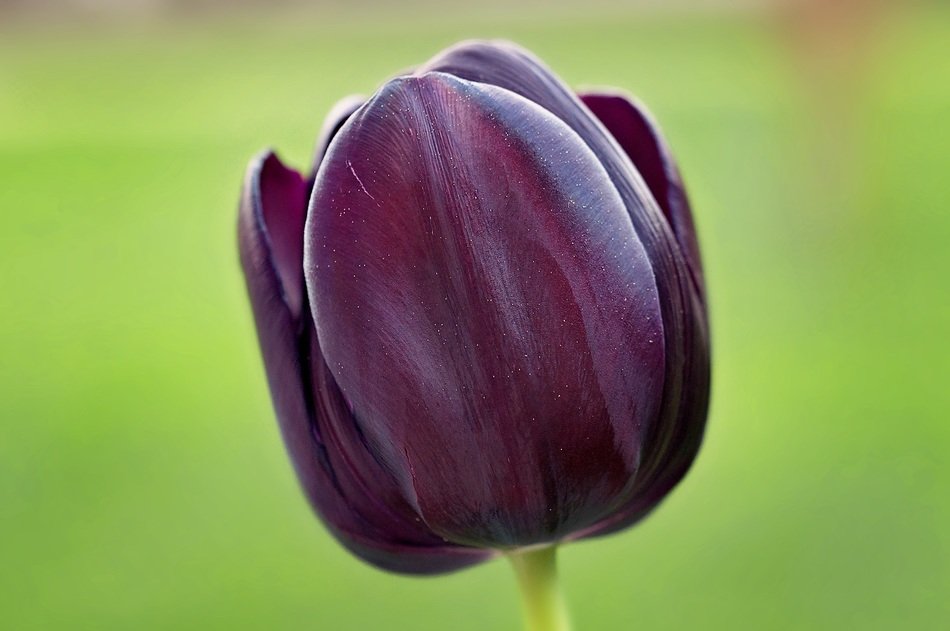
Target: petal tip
270,224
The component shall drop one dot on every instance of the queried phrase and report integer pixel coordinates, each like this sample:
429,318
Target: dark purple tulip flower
482,313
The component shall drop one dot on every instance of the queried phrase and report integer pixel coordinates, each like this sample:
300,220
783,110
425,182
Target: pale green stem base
541,598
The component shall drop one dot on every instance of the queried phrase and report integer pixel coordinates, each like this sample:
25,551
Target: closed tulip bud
482,314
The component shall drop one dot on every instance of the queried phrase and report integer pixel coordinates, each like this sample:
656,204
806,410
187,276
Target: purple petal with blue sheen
638,134
313,418
487,310
671,445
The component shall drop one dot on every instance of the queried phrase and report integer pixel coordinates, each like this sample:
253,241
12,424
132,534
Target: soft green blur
143,484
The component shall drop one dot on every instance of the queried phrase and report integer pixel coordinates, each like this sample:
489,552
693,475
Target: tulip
482,316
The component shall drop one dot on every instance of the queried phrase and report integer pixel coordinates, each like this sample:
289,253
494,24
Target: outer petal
675,438
486,307
638,134
314,421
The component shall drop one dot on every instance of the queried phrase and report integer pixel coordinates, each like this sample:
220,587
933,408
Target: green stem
541,598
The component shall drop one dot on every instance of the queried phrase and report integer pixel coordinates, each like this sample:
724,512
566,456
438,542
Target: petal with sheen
638,134
334,120
486,308
675,438
312,418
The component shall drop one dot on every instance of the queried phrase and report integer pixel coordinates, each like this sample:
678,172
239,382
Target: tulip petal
486,308
672,446
311,414
638,134
334,120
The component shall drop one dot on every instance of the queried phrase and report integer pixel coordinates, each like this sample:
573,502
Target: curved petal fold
308,408
639,136
671,445
487,310
334,120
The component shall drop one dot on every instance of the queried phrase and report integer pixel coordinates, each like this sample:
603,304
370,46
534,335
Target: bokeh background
143,484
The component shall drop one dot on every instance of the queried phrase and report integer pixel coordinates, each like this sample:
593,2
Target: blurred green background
143,484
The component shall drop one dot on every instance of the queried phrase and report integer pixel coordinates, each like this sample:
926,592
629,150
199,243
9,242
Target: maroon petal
674,440
310,411
486,308
638,134
273,211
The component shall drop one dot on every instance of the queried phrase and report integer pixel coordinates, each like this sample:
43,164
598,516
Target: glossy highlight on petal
639,136
457,283
334,120
314,419
670,449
